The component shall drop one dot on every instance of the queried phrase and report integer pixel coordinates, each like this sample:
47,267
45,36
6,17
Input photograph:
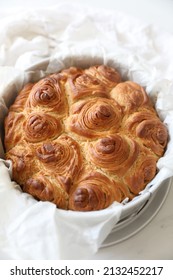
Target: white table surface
155,241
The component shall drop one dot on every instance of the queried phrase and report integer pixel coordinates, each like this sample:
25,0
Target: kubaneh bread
83,138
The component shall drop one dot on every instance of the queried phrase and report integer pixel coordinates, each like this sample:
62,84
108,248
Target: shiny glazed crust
83,138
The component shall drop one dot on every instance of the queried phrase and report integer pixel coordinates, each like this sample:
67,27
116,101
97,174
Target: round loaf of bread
83,138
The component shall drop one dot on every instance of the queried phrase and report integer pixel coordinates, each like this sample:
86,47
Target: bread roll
84,138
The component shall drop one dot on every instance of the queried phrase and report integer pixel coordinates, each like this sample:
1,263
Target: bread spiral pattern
42,188
149,129
81,85
24,163
93,192
107,75
84,138
48,94
143,173
94,117
115,154
39,127
62,155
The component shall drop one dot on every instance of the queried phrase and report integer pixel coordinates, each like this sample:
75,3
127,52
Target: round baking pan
134,213
132,224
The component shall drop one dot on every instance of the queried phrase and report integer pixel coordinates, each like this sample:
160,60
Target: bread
83,138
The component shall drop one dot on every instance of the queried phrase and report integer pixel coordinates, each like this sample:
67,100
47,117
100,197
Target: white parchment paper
64,36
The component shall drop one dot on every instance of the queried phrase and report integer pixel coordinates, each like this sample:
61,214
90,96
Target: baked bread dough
83,138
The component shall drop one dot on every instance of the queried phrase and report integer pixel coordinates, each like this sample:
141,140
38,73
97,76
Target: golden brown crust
143,172
41,187
13,132
83,139
107,75
130,96
147,127
41,126
21,98
61,155
81,85
115,154
24,163
94,192
95,117
48,93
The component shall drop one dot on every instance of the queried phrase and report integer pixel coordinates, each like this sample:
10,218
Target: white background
155,241
159,12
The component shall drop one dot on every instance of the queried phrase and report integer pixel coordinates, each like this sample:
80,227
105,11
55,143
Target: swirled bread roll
84,138
48,93
94,191
95,117
63,155
81,85
41,187
107,75
40,126
115,154
24,163
130,96
143,172
147,127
